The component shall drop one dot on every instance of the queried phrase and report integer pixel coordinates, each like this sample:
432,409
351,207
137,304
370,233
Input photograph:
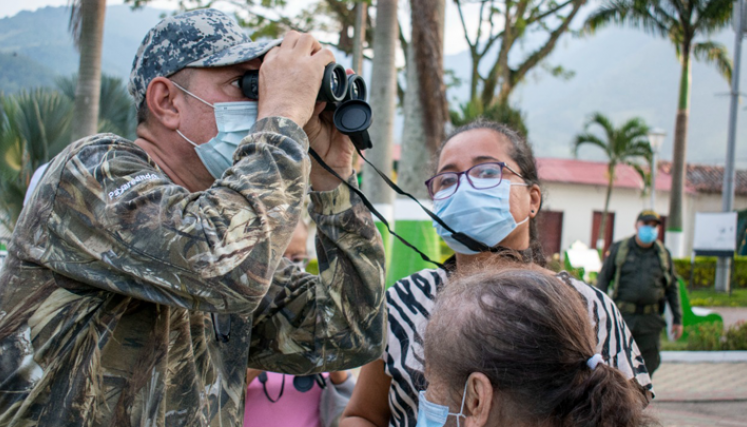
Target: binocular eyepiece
345,94
336,86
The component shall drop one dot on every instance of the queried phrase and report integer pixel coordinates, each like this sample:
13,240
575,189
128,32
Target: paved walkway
679,414
701,382
701,394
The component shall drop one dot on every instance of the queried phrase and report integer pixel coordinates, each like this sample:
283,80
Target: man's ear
479,401
160,97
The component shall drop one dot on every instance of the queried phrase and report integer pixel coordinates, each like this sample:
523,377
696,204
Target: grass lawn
710,298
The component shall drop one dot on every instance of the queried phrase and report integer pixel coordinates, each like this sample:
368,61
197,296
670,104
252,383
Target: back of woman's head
530,334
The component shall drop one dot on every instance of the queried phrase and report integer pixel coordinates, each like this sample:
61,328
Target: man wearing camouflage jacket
138,287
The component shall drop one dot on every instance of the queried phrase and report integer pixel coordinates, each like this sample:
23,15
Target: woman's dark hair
530,334
521,153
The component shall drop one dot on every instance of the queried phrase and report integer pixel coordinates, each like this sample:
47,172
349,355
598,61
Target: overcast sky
454,39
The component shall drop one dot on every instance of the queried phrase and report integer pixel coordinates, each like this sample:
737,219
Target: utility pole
723,265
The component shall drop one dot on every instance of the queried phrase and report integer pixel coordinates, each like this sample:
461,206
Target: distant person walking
641,271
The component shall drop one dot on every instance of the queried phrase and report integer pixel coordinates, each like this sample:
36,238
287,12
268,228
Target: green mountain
18,71
37,46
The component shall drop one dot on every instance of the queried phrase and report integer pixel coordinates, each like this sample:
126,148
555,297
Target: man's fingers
290,39
325,56
307,44
271,53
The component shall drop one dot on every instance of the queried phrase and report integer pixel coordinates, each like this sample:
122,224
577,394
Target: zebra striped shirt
410,301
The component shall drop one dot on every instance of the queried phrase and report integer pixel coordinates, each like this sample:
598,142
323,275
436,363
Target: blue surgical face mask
435,415
648,233
484,215
234,120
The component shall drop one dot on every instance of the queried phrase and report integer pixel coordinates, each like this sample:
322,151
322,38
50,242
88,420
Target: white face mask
234,121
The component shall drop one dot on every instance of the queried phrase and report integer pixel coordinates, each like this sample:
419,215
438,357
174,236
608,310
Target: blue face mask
234,120
435,415
484,215
648,233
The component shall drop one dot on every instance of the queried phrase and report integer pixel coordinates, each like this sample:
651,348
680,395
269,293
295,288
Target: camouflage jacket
128,301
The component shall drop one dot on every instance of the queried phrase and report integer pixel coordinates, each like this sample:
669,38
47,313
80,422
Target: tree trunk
427,39
425,108
416,161
474,79
87,91
679,164
383,91
359,37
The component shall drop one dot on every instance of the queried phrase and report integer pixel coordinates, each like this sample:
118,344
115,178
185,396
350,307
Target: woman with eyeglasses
486,186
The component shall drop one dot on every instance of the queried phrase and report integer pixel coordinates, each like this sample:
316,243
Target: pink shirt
294,408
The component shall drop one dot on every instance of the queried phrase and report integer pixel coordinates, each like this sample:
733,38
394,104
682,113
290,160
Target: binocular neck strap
460,237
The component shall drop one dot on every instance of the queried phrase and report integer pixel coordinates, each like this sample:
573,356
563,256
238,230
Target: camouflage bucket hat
201,38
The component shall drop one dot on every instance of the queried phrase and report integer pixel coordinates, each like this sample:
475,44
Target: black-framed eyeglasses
481,177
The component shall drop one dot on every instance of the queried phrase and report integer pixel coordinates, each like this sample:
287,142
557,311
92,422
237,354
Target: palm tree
116,109
34,127
87,26
626,145
682,21
382,98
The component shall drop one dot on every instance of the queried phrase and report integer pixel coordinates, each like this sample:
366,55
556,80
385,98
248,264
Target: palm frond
712,16
716,54
606,124
588,139
645,176
605,15
633,129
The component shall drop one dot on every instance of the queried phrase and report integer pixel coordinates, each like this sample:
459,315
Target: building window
550,230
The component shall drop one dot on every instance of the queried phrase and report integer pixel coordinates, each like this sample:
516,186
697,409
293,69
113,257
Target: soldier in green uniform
144,277
641,274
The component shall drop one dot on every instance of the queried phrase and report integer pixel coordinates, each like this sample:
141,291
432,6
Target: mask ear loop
197,98
461,408
185,138
193,95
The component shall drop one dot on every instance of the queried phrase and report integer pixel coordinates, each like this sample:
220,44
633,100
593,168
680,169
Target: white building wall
578,203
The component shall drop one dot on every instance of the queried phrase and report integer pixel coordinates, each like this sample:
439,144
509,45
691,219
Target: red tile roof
708,179
700,178
574,171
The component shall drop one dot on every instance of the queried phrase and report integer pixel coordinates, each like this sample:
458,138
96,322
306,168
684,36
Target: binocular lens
334,84
356,88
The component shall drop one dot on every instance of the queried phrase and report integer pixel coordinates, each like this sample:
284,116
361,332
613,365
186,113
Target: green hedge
705,271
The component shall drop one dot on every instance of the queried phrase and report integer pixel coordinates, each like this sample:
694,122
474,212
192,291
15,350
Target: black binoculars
336,87
345,94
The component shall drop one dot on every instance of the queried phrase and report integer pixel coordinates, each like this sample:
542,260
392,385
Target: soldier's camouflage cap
201,38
